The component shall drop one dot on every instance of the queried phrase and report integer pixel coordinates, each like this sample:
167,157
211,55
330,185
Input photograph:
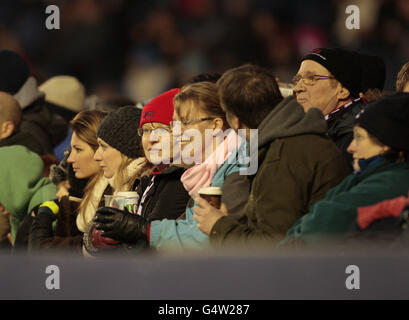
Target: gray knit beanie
120,130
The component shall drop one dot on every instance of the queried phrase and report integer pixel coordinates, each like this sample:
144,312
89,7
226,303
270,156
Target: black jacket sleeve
66,235
41,228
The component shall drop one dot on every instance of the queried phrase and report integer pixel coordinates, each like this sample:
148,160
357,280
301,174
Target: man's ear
6,129
343,93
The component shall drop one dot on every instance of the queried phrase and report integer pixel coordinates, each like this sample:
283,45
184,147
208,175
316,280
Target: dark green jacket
335,215
298,164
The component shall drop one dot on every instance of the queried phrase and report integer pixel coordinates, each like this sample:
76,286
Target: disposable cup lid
117,196
212,191
128,194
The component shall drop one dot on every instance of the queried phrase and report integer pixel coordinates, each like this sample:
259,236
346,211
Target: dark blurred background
141,48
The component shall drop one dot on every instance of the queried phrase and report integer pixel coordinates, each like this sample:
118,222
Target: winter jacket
22,185
167,198
341,126
183,234
333,217
380,226
40,118
22,139
298,163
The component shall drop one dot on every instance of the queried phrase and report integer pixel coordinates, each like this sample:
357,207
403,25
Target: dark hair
394,155
249,92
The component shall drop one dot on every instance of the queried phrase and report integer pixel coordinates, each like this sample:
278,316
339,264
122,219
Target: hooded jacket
298,164
22,185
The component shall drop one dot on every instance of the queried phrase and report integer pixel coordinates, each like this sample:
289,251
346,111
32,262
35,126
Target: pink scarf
201,175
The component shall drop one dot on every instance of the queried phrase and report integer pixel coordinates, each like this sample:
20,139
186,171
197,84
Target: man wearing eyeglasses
332,80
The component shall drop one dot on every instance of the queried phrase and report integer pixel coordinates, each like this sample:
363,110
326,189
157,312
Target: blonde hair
86,201
123,182
403,77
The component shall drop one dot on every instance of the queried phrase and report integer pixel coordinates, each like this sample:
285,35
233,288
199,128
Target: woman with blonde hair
121,158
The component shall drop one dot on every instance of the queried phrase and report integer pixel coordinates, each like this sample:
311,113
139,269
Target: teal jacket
183,234
333,216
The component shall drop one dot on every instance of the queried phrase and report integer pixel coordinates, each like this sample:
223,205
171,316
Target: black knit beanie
120,130
387,119
344,65
373,72
13,70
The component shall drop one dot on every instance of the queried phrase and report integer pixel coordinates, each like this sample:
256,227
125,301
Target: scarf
201,175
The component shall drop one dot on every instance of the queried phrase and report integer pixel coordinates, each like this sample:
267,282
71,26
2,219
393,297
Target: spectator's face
197,140
109,158
157,142
82,158
363,146
321,94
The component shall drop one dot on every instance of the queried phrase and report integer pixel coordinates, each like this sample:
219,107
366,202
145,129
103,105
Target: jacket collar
365,164
288,119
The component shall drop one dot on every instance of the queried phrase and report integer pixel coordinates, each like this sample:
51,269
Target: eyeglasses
187,123
158,131
309,79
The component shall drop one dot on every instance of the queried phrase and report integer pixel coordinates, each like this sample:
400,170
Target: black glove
121,225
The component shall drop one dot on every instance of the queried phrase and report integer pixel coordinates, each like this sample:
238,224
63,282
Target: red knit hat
159,109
